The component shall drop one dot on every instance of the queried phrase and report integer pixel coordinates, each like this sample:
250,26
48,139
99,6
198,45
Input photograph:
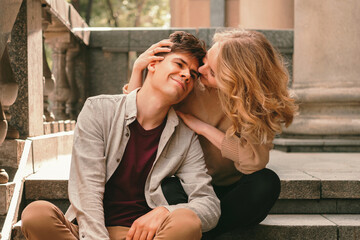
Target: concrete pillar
190,13
26,55
217,13
327,74
265,14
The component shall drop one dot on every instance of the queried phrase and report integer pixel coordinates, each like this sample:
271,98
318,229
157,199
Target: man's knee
38,215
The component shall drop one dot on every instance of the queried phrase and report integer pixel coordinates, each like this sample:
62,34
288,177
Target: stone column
26,58
326,75
217,13
265,14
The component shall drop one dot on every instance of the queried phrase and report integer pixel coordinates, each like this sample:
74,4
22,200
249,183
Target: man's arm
88,173
197,185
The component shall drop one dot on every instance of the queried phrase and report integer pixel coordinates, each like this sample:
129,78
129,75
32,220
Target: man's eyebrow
192,71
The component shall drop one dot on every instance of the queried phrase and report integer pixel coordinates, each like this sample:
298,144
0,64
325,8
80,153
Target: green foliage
127,13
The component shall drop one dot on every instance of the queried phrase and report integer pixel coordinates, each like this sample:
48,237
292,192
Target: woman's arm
214,135
143,60
248,157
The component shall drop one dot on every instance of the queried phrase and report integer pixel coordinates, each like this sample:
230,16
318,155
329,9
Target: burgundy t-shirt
124,198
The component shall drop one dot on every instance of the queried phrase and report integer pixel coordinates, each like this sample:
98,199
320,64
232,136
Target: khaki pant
42,220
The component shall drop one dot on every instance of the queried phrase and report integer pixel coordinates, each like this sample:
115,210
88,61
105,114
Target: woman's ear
151,66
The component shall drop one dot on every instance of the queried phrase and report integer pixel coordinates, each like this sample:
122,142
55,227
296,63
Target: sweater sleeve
248,157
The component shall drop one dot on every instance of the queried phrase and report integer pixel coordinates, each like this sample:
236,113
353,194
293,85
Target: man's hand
145,227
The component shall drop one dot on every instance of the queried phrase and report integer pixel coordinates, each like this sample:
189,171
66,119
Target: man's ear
151,66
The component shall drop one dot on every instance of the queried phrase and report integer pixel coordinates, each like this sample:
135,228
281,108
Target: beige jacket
100,139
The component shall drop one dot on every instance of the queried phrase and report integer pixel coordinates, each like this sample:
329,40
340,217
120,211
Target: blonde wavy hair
252,82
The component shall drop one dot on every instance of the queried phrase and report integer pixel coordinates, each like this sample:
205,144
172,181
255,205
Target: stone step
301,227
286,227
52,184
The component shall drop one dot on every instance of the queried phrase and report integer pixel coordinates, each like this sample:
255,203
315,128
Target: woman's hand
192,122
214,135
149,55
143,61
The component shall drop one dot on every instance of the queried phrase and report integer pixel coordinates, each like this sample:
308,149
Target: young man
124,146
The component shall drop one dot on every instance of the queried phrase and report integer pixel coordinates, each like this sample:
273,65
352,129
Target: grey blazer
100,139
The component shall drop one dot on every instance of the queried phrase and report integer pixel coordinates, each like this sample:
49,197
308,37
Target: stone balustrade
30,93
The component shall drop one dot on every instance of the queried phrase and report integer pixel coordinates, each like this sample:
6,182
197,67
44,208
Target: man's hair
187,43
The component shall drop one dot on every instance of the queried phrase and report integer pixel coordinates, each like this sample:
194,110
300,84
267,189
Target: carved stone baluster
8,95
72,102
62,89
49,87
49,79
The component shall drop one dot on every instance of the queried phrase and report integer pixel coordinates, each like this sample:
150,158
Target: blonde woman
243,106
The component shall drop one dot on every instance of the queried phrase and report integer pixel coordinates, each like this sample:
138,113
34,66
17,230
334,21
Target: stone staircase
320,197
23,158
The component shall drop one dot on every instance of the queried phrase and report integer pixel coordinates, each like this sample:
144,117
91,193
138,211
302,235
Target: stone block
348,225
348,206
108,72
141,40
338,184
298,185
25,52
54,127
10,153
47,127
73,124
287,227
307,206
46,189
111,39
65,143
61,125
67,125
203,35
50,148
6,192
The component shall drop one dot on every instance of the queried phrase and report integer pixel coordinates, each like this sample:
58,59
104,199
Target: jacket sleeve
197,185
248,157
88,173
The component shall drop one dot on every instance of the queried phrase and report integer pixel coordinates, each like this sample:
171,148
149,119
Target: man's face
175,75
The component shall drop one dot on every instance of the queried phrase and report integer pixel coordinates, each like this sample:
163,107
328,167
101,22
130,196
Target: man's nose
185,74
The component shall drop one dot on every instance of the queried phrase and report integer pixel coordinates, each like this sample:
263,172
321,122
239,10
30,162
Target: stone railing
109,50
30,93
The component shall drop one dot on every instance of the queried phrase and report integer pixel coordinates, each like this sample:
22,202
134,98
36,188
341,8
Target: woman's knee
268,184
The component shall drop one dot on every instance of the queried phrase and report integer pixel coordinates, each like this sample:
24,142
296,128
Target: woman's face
208,70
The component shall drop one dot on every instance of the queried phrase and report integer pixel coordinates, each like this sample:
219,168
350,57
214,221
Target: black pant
243,204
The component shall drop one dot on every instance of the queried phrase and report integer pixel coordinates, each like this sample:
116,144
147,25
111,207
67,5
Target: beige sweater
236,156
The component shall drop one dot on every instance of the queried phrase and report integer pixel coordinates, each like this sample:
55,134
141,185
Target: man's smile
180,82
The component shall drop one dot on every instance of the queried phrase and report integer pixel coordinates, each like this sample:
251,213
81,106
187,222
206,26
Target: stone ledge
10,152
316,206
51,147
286,227
69,17
316,145
301,227
6,192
